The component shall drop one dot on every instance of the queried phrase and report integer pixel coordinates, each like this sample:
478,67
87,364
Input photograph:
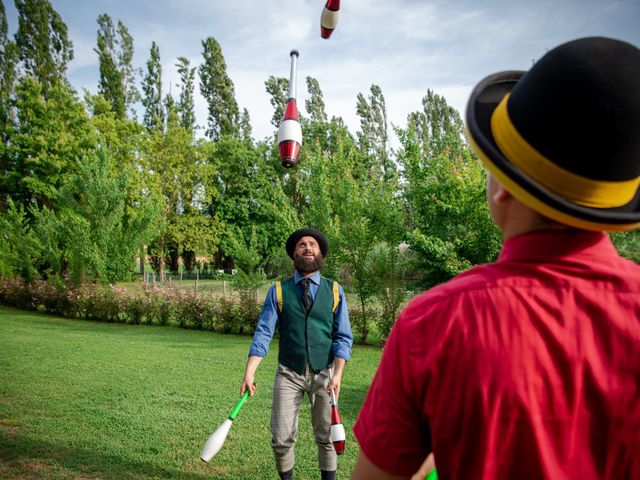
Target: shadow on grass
27,458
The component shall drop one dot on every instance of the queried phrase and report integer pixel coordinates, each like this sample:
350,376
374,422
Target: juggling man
311,314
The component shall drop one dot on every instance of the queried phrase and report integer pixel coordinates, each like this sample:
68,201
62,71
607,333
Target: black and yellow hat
564,137
292,241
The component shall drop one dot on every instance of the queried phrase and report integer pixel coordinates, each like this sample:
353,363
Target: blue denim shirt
268,321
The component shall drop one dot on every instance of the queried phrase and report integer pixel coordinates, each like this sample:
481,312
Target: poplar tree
152,91
186,109
217,88
245,125
373,136
117,75
8,58
45,49
125,64
278,89
110,84
315,104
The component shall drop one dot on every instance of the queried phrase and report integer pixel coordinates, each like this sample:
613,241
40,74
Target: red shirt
528,367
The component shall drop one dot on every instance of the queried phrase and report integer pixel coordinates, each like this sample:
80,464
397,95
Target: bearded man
311,314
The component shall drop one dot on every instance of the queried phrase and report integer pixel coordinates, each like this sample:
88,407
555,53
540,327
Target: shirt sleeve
267,322
342,336
389,428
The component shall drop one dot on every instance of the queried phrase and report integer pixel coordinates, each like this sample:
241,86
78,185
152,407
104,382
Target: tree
217,88
20,249
175,176
186,109
8,57
117,76
45,49
315,104
250,199
438,127
278,88
245,125
352,210
373,136
449,226
8,74
47,142
127,72
92,235
110,84
152,91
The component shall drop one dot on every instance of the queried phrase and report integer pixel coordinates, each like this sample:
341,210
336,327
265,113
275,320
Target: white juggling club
216,440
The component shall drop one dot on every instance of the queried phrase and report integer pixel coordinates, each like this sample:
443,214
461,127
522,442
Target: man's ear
501,194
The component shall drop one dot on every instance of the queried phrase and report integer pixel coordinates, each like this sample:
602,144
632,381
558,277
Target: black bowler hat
307,232
564,137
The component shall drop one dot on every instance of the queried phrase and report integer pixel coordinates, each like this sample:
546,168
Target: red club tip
289,150
325,32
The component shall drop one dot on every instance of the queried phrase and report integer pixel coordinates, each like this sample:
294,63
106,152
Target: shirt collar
545,245
314,277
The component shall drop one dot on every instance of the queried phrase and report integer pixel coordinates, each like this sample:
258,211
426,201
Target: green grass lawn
83,400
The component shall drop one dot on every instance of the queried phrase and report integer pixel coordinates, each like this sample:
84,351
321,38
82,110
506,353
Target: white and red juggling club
337,434
290,131
329,18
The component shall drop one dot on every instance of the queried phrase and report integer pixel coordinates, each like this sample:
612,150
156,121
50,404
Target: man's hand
248,382
336,379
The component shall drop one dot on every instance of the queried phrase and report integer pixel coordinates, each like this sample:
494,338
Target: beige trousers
288,391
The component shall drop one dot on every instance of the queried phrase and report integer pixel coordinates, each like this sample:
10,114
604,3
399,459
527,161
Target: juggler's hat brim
482,103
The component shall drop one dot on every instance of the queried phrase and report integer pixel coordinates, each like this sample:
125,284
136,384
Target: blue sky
404,46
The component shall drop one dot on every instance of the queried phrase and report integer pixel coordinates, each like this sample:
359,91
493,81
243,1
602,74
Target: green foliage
176,175
373,137
186,109
8,60
45,49
152,91
46,143
251,203
449,225
315,104
20,248
391,294
217,88
628,244
92,230
278,89
110,84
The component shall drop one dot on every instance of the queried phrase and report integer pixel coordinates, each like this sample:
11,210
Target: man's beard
308,265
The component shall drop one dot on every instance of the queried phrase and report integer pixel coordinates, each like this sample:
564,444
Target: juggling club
329,18
337,435
290,131
216,439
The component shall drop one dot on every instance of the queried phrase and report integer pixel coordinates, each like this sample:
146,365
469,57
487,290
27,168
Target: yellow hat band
575,188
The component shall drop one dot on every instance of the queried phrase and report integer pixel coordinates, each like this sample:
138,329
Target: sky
404,46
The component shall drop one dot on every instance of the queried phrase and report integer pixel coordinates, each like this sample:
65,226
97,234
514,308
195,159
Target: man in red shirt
529,367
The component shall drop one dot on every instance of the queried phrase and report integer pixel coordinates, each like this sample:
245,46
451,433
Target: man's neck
306,274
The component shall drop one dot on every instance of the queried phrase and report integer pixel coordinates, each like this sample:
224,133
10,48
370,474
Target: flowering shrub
152,306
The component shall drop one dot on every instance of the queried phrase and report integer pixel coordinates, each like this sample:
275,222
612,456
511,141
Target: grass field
83,400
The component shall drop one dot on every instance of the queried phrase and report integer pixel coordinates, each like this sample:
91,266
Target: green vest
306,337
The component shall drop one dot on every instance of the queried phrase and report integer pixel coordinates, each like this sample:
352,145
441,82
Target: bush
361,323
248,311
154,306
392,299
227,314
